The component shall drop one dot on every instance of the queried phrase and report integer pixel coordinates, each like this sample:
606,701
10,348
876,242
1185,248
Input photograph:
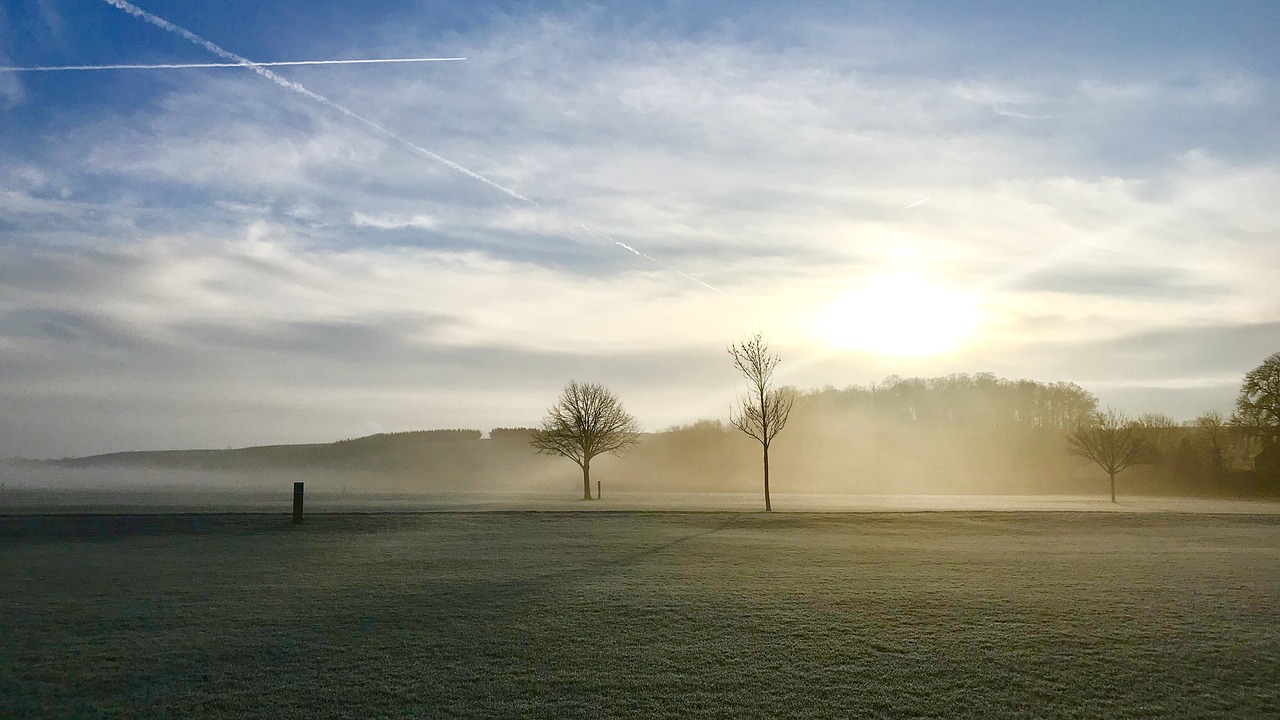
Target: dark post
597,489
297,502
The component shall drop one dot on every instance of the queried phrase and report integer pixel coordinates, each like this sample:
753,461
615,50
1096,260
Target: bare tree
586,421
764,411
1111,440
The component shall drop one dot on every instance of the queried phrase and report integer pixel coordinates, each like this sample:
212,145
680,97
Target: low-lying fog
27,489
909,444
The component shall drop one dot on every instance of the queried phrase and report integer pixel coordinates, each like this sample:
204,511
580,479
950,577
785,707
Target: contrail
705,285
625,246
653,260
918,202
184,66
296,87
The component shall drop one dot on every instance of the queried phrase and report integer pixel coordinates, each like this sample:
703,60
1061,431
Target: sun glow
900,314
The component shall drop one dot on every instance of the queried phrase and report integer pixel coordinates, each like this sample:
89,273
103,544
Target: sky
613,193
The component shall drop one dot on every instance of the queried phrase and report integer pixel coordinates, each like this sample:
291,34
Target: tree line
956,434
967,425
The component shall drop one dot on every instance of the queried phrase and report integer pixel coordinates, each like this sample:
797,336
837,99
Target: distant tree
1111,440
763,413
586,421
1211,432
1257,416
972,400
1258,405
1160,433
520,434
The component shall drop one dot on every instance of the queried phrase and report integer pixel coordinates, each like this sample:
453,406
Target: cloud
255,250
394,222
366,341
11,89
260,328
1167,357
1110,280
267,291
60,328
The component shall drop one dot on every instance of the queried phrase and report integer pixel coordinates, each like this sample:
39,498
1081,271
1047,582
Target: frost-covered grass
174,498
674,615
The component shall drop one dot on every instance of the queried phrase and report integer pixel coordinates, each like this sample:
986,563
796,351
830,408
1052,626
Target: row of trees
981,399
588,421
1211,445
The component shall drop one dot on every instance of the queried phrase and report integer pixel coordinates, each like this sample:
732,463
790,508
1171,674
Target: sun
902,315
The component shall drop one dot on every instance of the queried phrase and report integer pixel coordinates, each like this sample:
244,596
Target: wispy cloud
11,91
394,222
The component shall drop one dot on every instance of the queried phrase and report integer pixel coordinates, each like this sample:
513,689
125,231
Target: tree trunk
586,480
1113,487
767,506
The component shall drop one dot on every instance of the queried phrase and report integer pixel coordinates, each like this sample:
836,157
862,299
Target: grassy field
566,615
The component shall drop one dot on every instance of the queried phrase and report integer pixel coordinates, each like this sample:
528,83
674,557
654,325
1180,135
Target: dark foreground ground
565,615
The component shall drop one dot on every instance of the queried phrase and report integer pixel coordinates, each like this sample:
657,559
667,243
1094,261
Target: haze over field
213,257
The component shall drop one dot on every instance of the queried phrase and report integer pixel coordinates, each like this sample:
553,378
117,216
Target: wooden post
597,489
297,503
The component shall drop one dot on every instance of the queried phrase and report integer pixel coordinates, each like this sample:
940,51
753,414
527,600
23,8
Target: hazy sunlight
900,314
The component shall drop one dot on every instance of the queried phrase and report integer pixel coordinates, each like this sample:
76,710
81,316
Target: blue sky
202,257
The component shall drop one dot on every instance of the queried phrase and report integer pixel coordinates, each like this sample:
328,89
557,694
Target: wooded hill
954,434
374,451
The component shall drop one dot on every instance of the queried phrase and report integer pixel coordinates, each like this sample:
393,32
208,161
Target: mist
958,435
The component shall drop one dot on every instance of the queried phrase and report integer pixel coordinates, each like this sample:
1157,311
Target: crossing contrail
298,88
259,68
184,66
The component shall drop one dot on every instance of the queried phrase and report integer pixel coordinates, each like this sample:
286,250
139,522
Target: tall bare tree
1111,440
586,421
764,411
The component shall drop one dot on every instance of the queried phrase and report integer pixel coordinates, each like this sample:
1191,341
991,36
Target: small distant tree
1111,440
1160,433
586,421
764,411
1211,432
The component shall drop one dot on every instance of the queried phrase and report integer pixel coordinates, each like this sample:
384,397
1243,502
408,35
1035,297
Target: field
641,614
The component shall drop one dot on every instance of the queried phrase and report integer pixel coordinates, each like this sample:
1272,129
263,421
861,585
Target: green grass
563,615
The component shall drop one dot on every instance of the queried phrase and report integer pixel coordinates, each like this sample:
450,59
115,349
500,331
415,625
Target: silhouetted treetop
963,399
1258,405
521,434
423,435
